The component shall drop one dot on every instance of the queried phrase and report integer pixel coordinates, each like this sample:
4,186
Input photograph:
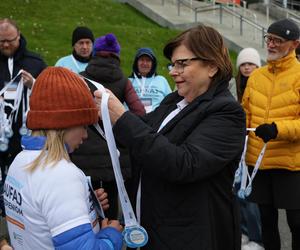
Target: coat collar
284,63
203,99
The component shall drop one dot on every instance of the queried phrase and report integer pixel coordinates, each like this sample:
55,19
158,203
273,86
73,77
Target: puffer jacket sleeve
82,237
132,100
288,129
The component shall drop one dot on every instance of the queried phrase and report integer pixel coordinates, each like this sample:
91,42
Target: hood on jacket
139,53
103,69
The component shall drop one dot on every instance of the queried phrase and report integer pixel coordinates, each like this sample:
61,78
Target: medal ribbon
129,216
242,174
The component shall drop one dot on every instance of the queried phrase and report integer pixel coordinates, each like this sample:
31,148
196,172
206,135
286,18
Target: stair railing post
221,13
241,25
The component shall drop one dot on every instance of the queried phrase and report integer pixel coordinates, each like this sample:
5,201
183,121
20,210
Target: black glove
267,131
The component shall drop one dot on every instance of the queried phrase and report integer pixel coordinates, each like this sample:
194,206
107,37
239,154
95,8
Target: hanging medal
134,234
242,174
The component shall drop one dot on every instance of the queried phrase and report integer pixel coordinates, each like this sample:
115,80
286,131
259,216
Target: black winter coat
93,155
187,171
32,63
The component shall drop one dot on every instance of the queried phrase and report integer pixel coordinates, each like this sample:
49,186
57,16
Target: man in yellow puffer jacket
272,103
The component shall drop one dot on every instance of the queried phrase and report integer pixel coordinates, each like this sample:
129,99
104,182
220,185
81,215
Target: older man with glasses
14,57
272,104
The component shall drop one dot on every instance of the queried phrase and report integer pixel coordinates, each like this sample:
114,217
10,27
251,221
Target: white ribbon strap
9,83
129,217
242,173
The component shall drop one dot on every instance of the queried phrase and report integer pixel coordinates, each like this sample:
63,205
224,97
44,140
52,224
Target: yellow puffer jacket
273,95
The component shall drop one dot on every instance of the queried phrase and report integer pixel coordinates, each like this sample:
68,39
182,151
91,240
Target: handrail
222,8
242,20
288,12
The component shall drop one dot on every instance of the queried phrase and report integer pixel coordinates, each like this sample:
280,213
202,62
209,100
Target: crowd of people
179,151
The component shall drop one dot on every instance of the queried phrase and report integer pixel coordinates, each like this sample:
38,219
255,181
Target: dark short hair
207,44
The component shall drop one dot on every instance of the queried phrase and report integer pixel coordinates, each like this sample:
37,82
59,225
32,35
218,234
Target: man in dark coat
15,57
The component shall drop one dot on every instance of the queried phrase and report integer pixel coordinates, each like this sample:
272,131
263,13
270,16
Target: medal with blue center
135,236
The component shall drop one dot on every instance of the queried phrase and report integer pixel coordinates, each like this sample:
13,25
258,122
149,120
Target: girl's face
247,68
75,136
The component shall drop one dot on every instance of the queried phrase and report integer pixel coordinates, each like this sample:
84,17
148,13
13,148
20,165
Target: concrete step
165,13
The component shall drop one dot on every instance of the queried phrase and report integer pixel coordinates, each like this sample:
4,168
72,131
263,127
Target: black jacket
32,63
187,171
93,155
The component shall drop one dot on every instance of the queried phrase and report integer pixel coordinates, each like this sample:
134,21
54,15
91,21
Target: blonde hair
53,151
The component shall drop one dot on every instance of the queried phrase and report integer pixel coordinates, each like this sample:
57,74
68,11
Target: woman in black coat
185,152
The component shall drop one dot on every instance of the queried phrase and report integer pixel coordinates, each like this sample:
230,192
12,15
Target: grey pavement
165,13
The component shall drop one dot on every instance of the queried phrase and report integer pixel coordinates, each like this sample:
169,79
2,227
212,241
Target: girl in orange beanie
48,200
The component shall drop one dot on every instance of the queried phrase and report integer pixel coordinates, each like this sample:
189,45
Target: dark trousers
270,231
112,191
250,220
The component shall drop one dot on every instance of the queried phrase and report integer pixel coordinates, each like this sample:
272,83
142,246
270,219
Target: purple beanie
107,43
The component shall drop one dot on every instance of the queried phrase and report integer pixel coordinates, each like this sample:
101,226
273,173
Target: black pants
270,231
113,200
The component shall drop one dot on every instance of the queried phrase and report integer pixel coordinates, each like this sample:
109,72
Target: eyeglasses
9,41
275,40
180,64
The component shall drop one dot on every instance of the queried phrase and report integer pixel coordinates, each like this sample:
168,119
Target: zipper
270,95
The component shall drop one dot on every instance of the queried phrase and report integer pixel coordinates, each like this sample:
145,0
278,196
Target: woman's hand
102,198
115,107
112,223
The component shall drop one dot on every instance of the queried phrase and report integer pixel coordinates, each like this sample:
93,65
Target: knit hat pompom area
107,43
285,28
60,99
248,55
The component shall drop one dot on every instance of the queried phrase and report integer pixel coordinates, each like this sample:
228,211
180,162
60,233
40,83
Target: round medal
23,130
241,194
8,132
135,236
3,146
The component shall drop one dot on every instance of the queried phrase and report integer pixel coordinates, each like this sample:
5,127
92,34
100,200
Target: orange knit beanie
60,99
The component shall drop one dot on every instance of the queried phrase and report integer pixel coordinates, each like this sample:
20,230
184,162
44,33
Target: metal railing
235,15
243,21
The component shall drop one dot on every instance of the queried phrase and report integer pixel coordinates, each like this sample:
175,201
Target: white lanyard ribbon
141,82
9,83
6,131
10,65
242,174
134,234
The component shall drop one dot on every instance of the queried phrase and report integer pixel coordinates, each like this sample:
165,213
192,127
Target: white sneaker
252,245
244,239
